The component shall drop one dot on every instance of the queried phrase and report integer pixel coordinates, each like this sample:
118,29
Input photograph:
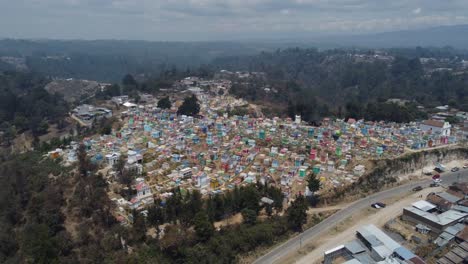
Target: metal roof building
372,246
449,197
424,205
437,223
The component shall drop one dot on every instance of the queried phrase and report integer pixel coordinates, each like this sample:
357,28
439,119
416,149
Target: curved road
310,234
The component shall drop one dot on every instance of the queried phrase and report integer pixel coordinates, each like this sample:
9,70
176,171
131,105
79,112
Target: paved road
310,234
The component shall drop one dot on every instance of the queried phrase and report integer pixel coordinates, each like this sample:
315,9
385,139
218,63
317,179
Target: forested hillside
55,214
109,60
337,81
25,105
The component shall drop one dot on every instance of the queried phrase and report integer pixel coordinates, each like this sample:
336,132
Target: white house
436,127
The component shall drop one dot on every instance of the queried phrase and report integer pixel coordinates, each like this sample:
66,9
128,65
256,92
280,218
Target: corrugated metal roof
353,261
404,253
454,258
460,208
423,205
449,197
441,219
460,252
382,251
364,258
464,246
354,247
444,260
455,229
443,239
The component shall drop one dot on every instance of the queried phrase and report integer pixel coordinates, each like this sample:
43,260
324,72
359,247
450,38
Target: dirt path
235,219
345,230
325,209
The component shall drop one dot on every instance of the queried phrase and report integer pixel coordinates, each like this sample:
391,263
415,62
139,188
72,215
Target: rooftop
433,123
423,205
441,219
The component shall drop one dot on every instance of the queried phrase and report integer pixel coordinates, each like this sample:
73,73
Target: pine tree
189,107
313,183
164,103
297,213
203,227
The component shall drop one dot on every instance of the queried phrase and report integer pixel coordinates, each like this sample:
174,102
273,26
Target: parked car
455,169
417,189
465,166
378,205
434,184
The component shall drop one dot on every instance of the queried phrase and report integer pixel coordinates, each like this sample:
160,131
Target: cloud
215,19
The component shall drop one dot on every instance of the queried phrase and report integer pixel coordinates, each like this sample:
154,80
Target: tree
219,210
250,198
297,213
164,103
84,164
139,227
38,245
106,128
128,80
203,227
250,216
313,183
189,107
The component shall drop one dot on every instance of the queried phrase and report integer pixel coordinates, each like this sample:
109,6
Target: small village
433,228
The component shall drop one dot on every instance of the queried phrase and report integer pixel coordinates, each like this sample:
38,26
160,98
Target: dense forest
318,83
109,60
26,105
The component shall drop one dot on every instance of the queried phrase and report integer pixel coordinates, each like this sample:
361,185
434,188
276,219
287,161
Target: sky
186,20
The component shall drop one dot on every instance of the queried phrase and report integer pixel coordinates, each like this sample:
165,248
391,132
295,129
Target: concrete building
437,223
436,127
88,113
372,246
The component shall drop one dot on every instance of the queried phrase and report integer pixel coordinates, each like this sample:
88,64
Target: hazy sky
217,19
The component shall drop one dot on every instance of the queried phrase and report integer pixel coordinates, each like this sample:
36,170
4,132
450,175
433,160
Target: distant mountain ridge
454,36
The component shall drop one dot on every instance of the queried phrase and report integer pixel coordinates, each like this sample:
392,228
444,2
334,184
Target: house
459,188
437,223
130,105
88,113
120,99
146,98
457,255
371,246
424,206
443,200
436,127
442,108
